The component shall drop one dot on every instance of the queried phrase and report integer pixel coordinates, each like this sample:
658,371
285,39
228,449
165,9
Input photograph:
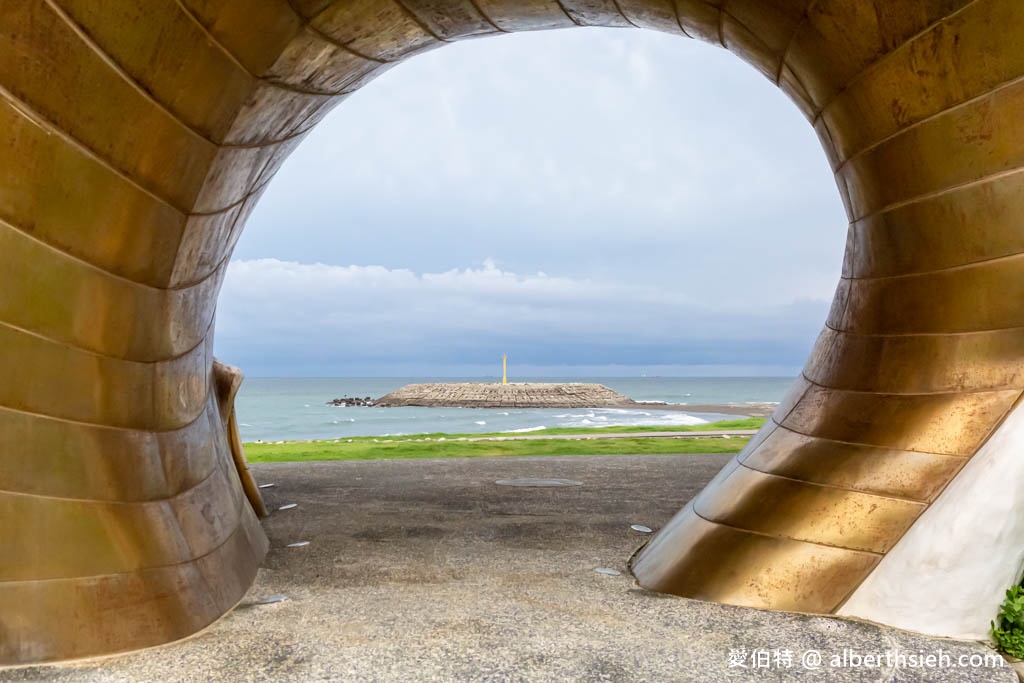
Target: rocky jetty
496,395
346,402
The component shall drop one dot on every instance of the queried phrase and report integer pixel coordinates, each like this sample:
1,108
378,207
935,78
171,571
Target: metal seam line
97,354
120,70
239,525
939,493
963,104
848,489
804,18
101,502
909,394
51,128
679,20
185,222
347,46
419,22
79,261
779,425
629,21
883,57
113,428
856,333
484,15
980,263
721,25
231,56
784,538
987,178
566,13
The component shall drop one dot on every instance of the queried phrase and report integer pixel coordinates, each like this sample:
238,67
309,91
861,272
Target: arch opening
568,224
140,144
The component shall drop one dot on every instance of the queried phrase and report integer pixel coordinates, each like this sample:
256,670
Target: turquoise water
273,409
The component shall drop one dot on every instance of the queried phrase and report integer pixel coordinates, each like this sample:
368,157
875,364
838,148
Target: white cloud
568,140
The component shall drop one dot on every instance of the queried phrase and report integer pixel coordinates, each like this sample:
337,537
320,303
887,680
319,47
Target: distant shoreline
748,409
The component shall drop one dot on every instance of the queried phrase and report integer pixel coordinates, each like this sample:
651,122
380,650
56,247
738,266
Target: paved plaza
428,570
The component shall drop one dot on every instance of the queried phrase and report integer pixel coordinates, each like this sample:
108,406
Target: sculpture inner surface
136,142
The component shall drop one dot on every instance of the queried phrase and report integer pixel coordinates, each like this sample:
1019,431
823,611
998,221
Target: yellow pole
504,369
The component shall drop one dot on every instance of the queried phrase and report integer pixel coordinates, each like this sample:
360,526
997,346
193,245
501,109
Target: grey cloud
370,316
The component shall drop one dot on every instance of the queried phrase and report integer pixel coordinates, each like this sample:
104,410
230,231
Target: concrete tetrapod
135,144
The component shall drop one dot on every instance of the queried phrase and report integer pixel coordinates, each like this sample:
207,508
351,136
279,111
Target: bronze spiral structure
136,138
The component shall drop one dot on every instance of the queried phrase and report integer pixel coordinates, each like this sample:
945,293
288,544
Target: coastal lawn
367,450
440,445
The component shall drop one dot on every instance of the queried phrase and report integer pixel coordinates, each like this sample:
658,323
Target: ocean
275,409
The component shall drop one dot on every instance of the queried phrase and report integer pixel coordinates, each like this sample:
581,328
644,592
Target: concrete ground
427,570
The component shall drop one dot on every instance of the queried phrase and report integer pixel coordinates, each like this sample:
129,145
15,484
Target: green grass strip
363,449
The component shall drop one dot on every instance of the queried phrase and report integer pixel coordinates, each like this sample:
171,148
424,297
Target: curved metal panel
135,145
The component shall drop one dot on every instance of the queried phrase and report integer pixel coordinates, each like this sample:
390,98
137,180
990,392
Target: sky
591,202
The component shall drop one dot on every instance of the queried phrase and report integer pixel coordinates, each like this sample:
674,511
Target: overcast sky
594,201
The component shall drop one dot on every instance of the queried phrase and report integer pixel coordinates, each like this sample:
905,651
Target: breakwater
515,395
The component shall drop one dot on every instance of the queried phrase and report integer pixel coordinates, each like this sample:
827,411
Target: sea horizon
295,408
